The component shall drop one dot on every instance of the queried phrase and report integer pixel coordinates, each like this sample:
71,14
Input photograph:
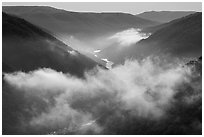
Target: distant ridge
62,21
163,16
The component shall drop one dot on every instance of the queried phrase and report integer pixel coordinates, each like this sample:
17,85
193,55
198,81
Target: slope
60,21
181,38
26,47
163,16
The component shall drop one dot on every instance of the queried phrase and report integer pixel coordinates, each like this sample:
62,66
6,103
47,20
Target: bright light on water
108,63
97,51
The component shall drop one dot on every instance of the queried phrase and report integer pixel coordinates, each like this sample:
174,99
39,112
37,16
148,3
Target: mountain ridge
31,48
164,16
98,21
182,38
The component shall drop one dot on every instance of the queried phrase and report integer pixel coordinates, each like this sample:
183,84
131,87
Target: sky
126,7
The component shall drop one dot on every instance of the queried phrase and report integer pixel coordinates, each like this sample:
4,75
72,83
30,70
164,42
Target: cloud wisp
129,36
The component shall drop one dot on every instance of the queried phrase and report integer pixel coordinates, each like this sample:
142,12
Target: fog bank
106,101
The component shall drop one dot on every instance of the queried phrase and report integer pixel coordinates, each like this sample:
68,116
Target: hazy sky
128,7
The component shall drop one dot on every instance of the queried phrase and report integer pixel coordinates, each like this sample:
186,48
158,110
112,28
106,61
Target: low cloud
104,102
129,36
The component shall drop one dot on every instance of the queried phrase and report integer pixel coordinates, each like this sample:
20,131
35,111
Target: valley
108,72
